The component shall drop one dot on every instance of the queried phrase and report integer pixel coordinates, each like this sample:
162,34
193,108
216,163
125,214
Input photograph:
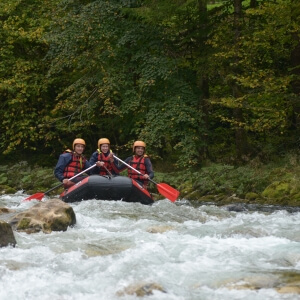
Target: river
177,250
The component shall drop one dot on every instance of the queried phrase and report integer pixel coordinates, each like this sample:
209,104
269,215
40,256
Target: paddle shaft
71,178
132,168
108,172
39,196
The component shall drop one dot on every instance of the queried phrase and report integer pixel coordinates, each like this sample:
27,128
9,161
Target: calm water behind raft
190,253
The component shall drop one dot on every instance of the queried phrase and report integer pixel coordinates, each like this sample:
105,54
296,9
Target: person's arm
94,158
114,164
87,165
149,168
121,167
63,161
92,161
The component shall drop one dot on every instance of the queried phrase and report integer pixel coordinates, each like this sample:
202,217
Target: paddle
40,196
108,172
163,188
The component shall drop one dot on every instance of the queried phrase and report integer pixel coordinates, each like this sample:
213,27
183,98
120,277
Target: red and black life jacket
75,166
107,163
138,162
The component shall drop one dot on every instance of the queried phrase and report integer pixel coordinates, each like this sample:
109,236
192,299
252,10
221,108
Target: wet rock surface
6,235
48,216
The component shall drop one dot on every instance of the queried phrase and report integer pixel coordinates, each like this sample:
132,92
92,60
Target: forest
197,80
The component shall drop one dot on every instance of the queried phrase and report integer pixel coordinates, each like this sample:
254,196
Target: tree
194,81
249,68
111,65
295,62
22,88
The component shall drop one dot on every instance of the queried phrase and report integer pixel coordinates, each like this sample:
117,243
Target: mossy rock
296,197
5,189
277,189
282,201
294,200
251,196
23,224
230,200
295,187
194,195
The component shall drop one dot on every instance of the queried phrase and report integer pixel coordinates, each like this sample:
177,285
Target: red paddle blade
37,196
167,191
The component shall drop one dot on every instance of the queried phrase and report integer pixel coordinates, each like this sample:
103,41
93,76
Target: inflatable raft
107,188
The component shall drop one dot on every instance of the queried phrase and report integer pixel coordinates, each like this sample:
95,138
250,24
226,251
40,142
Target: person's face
104,148
79,148
139,150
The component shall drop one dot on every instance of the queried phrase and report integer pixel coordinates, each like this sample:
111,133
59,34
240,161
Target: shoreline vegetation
255,183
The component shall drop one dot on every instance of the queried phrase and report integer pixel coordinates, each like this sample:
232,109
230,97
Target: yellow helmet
138,144
78,141
103,141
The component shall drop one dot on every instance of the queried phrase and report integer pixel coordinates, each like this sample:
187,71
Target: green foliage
127,72
173,73
22,87
252,73
3,179
276,182
175,118
228,180
26,177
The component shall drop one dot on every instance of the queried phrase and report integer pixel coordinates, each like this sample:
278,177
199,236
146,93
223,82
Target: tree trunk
253,3
240,134
202,81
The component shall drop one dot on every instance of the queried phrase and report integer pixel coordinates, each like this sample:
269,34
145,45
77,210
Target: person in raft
104,160
141,162
71,163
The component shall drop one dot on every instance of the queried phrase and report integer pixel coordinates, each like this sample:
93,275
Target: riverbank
273,183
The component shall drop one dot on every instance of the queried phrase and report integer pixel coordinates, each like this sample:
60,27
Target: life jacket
139,164
107,163
75,166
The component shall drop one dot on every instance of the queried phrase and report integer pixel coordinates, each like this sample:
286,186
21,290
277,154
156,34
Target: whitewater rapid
183,251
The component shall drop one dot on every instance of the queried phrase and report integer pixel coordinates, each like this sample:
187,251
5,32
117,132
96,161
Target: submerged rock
4,210
6,235
283,283
48,216
141,289
238,207
159,229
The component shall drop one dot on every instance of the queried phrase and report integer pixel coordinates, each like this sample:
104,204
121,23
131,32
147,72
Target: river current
176,250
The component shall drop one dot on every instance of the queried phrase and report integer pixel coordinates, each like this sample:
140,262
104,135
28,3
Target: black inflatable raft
107,188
